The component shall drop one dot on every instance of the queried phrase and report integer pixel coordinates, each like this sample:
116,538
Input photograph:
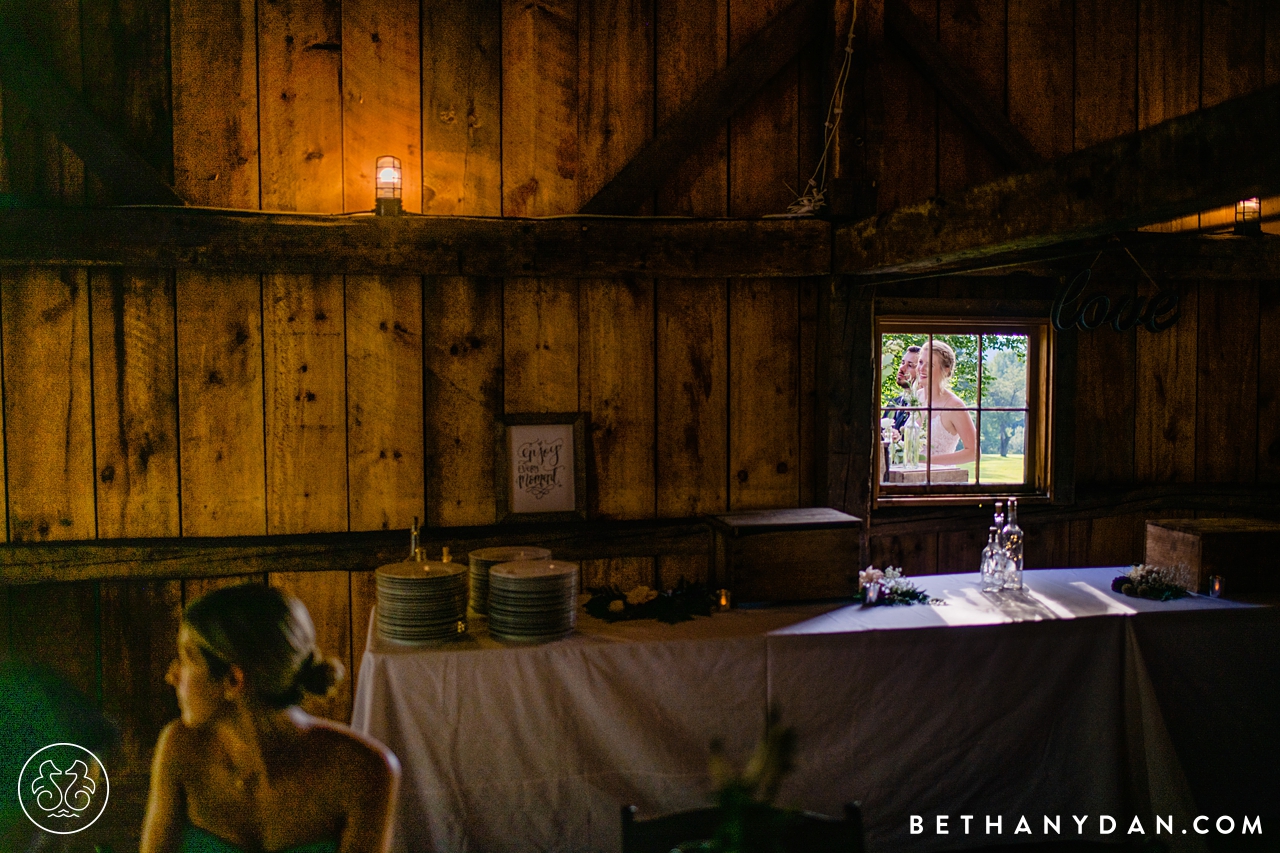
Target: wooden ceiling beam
959,89
574,247
759,60
61,110
1199,161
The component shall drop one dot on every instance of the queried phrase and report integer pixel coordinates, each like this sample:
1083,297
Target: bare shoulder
353,754
178,746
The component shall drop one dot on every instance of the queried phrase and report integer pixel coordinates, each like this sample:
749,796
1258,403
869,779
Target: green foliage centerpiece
1152,582
750,823
681,604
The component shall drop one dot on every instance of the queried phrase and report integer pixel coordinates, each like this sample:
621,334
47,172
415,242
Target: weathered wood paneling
139,639
57,174
381,98
915,554
692,398
384,402
1106,66
540,345
1106,363
1041,80
135,403
364,595
47,401
692,43
961,551
691,328
125,53
1165,417
327,596
57,625
1169,43
300,108
764,132
220,405
463,339
462,108
615,89
1110,541
215,102
1268,382
539,107
1048,545
1227,386
304,352
972,32
616,390
910,171
764,453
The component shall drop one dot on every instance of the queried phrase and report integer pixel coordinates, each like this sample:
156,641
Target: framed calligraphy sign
541,467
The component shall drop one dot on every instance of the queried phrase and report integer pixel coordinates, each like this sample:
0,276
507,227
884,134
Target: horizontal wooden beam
218,557
1195,257
61,110
1199,161
756,63
959,89
583,247
1090,502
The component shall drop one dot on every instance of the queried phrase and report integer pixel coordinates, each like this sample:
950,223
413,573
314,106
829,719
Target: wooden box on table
1244,552
787,554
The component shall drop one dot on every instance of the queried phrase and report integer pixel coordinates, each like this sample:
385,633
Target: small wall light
388,179
1248,217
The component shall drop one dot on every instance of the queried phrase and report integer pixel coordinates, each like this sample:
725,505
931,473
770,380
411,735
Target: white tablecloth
1040,703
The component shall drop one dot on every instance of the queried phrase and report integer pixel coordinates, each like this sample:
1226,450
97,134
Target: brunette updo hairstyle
267,634
945,354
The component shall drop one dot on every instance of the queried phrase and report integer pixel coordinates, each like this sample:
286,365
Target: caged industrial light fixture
1248,217
388,180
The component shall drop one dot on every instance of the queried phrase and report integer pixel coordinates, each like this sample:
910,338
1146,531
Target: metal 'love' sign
1157,314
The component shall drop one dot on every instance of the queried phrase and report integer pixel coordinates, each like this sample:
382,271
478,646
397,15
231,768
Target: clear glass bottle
998,520
1012,538
992,562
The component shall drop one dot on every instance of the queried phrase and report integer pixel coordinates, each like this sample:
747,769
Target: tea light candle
723,599
1215,586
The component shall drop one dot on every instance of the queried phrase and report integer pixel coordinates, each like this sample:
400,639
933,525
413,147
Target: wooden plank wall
185,403
159,403
1189,405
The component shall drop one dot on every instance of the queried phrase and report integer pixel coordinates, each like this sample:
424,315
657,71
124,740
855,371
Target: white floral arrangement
888,586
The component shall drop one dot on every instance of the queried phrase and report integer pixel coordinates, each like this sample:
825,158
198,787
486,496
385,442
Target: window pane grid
1012,424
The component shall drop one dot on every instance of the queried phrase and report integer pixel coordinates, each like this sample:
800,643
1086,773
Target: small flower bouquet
677,605
877,587
1153,582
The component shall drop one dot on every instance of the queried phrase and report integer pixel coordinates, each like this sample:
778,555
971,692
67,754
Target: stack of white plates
421,602
531,601
485,559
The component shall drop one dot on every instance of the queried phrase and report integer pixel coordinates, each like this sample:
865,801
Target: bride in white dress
950,425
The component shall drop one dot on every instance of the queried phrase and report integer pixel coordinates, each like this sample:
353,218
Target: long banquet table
1064,699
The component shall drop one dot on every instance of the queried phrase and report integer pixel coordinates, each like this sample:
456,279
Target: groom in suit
906,378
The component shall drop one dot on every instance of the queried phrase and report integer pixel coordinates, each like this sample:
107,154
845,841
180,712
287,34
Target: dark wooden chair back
810,833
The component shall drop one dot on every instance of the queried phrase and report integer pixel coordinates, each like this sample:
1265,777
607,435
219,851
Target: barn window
964,409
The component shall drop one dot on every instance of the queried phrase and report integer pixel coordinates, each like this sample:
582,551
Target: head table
1063,699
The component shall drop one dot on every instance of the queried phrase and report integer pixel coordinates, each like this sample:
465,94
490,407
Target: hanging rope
814,196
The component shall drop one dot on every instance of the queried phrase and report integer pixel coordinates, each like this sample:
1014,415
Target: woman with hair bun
244,769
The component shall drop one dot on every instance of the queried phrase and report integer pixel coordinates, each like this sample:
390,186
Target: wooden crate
787,554
1245,552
